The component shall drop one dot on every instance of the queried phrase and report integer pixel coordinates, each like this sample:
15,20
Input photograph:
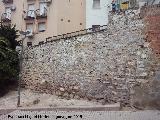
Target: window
96,4
29,27
43,8
41,27
31,10
8,12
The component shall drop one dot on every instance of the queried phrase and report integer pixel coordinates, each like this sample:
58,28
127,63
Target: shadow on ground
147,96
6,86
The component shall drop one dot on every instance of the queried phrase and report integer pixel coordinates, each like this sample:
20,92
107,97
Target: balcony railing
7,1
6,17
41,13
30,15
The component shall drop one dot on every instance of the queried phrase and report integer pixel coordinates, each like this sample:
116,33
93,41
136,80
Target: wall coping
70,35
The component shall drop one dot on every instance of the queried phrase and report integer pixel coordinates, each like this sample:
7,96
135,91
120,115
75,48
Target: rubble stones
100,66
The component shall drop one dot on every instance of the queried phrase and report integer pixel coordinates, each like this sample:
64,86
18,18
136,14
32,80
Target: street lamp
20,65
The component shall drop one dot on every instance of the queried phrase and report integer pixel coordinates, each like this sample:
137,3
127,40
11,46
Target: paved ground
29,97
82,115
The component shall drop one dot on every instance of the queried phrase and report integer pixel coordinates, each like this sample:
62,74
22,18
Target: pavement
110,107
82,115
100,112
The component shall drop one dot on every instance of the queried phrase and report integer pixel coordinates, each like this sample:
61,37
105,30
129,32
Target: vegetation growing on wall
9,66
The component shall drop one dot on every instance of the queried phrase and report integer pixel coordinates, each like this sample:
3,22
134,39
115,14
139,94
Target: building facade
47,18
44,18
97,12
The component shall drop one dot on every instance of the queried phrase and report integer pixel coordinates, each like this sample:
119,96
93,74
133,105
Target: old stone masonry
102,66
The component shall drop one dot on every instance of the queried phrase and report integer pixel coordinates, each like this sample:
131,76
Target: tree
9,63
10,33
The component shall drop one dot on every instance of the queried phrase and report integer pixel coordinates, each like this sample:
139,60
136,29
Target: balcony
41,13
6,17
29,15
7,1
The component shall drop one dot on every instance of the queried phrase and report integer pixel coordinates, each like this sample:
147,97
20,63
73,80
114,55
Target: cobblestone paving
84,115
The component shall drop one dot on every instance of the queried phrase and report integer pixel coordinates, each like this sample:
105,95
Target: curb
80,108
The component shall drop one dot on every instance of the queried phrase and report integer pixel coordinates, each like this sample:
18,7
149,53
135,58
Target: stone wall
102,66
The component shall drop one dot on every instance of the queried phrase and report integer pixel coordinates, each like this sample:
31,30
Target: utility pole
20,65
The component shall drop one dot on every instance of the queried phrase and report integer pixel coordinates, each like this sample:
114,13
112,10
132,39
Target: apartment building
44,18
47,18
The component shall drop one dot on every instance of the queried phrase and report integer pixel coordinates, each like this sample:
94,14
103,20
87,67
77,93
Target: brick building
151,15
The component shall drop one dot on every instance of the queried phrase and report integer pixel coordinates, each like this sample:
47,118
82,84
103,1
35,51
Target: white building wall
97,16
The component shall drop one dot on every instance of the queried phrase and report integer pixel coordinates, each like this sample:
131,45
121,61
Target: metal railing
41,13
30,14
